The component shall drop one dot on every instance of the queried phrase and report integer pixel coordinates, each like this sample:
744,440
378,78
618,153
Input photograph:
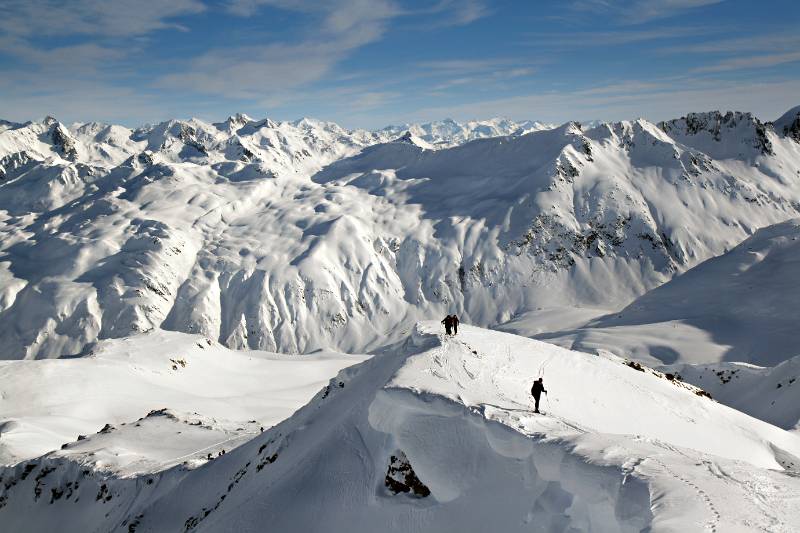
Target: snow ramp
437,434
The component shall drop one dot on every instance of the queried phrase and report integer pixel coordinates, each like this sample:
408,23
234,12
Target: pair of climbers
451,324
219,454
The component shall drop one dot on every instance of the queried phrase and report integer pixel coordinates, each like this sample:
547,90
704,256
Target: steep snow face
296,236
438,434
740,306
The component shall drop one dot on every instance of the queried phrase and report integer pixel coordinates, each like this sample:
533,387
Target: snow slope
771,394
298,236
740,306
203,397
437,434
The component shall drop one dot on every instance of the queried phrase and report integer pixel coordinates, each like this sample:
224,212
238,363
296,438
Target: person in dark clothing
536,391
455,324
448,324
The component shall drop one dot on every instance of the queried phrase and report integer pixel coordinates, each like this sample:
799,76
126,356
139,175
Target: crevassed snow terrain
437,434
297,236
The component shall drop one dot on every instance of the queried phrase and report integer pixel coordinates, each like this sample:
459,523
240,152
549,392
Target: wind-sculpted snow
296,236
438,434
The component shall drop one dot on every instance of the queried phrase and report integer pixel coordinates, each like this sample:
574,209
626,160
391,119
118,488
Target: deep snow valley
222,327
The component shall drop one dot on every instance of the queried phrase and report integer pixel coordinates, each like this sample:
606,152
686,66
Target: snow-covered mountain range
297,236
149,275
448,132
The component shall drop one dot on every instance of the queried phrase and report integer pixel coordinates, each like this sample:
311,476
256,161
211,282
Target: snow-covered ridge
295,236
437,434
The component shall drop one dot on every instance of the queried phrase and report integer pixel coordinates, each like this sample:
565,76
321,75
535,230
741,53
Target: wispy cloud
104,39
772,42
750,62
252,72
347,100
446,12
460,12
640,11
464,66
80,60
368,61
84,101
473,72
658,100
620,36
114,18
338,27
335,16
491,79
73,57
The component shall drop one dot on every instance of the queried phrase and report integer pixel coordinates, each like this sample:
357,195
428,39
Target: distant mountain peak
716,133
410,138
238,120
788,125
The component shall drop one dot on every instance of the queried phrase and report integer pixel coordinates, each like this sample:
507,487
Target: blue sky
368,63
